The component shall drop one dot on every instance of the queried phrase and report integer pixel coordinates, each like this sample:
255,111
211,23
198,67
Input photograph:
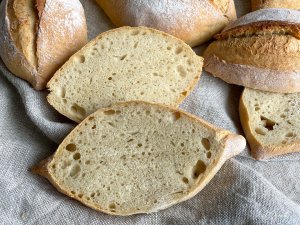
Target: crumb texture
122,65
135,158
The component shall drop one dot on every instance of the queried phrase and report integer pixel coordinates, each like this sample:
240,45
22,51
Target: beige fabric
243,191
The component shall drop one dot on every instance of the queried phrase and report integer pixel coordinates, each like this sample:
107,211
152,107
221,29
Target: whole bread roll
289,4
193,21
38,36
260,50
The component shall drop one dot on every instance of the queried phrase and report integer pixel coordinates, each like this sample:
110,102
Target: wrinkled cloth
244,191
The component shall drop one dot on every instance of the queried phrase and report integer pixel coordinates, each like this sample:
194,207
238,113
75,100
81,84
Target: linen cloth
244,191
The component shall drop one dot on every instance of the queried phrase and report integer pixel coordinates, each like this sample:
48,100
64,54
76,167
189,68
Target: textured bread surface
121,65
289,4
193,21
138,157
271,122
38,36
259,53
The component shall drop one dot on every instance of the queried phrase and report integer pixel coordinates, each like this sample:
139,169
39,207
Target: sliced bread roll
260,50
271,122
138,157
38,36
289,4
193,21
121,65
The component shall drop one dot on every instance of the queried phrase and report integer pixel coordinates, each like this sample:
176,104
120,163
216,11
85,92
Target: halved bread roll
121,65
271,122
38,36
138,157
193,21
260,50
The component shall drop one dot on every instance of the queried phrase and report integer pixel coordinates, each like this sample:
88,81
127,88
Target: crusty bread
260,50
121,65
271,122
38,36
289,4
193,21
138,157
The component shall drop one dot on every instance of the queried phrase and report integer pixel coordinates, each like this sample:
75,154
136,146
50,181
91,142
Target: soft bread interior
138,158
121,65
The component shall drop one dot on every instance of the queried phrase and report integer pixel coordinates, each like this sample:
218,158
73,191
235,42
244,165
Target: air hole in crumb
283,116
198,169
147,112
112,207
110,78
135,44
267,123
176,116
73,192
260,131
79,59
71,147
142,93
90,118
257,108
79,111
290,134
206,143
109,112
184,93
93,195
135,32
140,145
178,50
169,48
61,92
75,170
155,201
284,142
208,155
76,156
80,195
185,180
182,144
94,127
181,71
87,162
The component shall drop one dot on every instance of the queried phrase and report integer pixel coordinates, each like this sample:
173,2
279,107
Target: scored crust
231,145
35,41
192,21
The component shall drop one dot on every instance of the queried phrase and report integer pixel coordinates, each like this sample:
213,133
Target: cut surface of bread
289,4
271,122
138,157
193,21
121,65
260,50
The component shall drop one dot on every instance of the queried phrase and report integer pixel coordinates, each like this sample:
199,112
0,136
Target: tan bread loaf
121,65
193,21
138,157
271,122
260,50
289,4
38,36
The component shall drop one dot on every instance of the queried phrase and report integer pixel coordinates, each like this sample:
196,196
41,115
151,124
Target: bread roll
193,21
38,36
289,4
124,64
260,50
271,122
138,157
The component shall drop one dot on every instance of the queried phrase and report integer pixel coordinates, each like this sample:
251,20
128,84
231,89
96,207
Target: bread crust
261,4
61,31
258,53
195,22
258,150
231,144
253,77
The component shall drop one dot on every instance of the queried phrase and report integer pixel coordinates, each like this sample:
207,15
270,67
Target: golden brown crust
232,145
27,50
289,4
192,21
258,150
